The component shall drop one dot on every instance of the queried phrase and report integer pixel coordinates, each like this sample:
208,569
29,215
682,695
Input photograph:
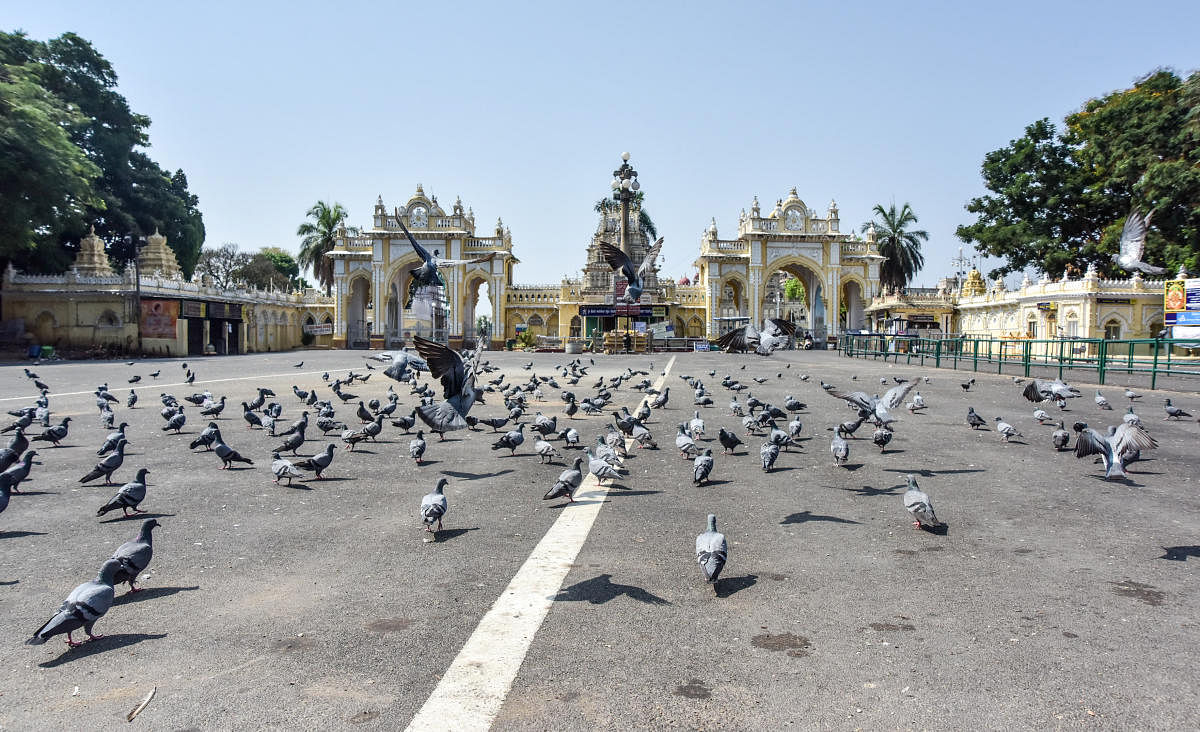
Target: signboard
1114,301
225,310
1192,318
521,327
1180,296
639,326
191,309
158,318
597,311
699,346
1047,306
659,311
920,318
319,329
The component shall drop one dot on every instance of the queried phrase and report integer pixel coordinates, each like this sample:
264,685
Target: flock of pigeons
462,386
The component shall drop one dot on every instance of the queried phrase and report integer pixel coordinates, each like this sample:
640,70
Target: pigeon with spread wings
1133,244
428,273
636,277
774,334
458,386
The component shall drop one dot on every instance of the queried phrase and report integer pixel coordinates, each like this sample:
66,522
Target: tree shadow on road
601,589
107,643
1180,553
461,475
727,586
19,534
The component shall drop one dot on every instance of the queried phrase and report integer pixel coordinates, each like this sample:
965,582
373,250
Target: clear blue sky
524,108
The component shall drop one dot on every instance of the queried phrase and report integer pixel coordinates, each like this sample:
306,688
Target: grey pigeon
974,421
511,440
129,496
684,443
458,386
86,604
108,465
1173,411
881,438
433,506
919,505
135,555
712,551
702,467
840,449
568,482
55,434
1006,430
228,455
416,447
729,441
1101,402
110,442
769,453
1115,450
291,444
1061,438
18,472
207,437
176,422
601,468
318,463
1133,244
283,468
545,451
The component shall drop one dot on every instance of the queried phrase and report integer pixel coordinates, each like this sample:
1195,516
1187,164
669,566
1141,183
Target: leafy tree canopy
1060,198
898,244
53,189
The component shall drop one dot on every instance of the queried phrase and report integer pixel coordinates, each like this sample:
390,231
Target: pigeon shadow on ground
713,483
782,468
1123,481
804,517
627,492
942,529
867,490
448,534
18,534
107,643
329,479
36,493
851,467
150,593
5,583
1180,553
927,473
600,589
727,586
297,486
462,475
137,517
423,463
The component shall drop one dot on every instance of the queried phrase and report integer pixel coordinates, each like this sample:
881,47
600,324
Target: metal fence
1151,357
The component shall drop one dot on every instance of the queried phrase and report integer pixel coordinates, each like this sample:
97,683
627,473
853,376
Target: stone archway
853,302
732,304
476,302
357,331
812,318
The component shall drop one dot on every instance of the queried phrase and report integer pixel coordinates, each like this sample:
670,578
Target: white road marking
472,691
161,385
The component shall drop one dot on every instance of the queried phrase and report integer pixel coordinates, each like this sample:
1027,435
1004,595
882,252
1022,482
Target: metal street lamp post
625,187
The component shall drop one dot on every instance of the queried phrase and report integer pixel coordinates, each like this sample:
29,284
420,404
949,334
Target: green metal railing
1153,356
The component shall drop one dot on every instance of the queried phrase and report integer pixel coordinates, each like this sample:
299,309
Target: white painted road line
473,689
161,385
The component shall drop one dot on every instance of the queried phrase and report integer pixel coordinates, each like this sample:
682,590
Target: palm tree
900,247
644,222
317,240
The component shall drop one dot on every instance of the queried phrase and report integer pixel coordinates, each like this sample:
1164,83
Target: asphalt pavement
1053,599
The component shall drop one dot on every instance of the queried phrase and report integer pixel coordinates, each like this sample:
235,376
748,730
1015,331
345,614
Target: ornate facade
737,278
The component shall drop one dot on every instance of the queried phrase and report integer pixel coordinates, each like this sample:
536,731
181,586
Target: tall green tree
1060,198
898,244
131,195
224,265
317,239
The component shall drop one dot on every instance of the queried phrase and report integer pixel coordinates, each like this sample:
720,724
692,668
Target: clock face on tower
418,218
794,222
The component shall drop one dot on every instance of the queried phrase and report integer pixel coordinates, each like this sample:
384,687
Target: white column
377,324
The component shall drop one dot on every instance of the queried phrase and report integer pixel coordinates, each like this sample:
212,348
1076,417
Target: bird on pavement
702,467
840,449
18,471
768,453
919,505
281,467
416,447
1060,437
1115,449
728,440
601,468
207,437
433,506
545,451
684,443
291,444
1006,430
568,482
881,438
54,434
1173,411
176,422
229,456
974,421
108,465
712,551
511,440
318,463
86,604
1101,402
134,555
129,496
110,442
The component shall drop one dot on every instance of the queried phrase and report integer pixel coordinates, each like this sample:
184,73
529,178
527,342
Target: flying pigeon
711,552
86,604
458,386
774,334
129,496
635,277
919,505
1115,449
1133,244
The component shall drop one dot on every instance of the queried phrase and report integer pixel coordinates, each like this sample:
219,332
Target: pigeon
769,453
298,365
416,447
176,422
131,399
774,334
570,437
1115,450
283,468
207,437
110,442
702,467
406,423
1133,244
847,429
135,555
728,440
792,404
1060,437
601,468
795,427
568,482
1040,416
18,472
229,456
134,379
55,434
642,437
129,496
511,440
458,386
86,604
215,409
433,506
1131,395
1101,402
154,375
1130,417
840,449
966,385
684,443
881,438
696,425
1173,411
712,551
291,444
974,421
108,465
635,277
318,463
919,505
1006,430
660,401
545,451
1041,391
